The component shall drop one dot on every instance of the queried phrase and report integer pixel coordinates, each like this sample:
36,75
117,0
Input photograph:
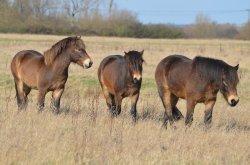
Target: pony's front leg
56,97
40,100
208,111
190,112
133,111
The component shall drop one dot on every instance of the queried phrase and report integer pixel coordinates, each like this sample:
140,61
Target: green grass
148,83
84,81
6,81
89,81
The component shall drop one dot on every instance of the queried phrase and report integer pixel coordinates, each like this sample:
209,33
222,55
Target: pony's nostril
135,80
90,63
234,102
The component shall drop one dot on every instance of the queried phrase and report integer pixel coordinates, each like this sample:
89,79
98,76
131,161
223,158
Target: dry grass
83,132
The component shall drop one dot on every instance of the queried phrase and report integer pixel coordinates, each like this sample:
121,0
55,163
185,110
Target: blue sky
185,11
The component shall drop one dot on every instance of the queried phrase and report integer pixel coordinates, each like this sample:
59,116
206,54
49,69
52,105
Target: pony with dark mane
197,81
48,72
120,77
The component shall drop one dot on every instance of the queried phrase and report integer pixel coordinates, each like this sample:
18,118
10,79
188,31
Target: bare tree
204,27
40,7
245,31
4,3
111,3
73,7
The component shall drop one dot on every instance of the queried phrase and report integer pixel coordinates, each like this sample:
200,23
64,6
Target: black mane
212,70
134,56
51,54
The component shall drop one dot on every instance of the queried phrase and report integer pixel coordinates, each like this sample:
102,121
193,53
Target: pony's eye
78,50
225,83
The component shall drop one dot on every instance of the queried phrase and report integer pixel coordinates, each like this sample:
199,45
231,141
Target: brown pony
120,77
197,81
32,70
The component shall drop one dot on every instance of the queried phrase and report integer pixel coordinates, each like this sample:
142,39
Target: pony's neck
61,64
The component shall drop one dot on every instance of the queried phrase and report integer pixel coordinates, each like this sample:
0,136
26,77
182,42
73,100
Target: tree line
102,18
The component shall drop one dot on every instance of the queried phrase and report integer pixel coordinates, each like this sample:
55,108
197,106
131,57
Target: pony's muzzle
233,100
87,63
137,78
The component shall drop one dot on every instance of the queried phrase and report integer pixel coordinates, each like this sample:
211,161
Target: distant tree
120,23
23,7
87,17
245,31
204,27
4,4
226,31
4,14
41,7
73,7
161,31
111,3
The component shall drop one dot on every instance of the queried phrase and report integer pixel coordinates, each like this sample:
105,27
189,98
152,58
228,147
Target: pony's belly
57,85
178,93
129,93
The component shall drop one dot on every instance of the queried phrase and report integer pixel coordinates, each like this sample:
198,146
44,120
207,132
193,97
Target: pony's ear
126,53
236,67
142,52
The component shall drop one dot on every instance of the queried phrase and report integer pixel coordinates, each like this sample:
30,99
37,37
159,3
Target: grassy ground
84,133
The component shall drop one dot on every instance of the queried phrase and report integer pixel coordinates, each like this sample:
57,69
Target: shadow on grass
233,126
149,113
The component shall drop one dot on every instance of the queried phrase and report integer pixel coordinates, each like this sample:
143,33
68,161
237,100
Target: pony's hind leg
190,111
26,91
118,102
165,96
21,94
176,112
110,101
112,105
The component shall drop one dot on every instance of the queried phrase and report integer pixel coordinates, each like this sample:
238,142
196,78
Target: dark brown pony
120,77
197,81
32,70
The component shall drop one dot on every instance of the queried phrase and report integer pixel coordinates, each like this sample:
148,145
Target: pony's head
74,47
135,61
229,85
78,53
220,73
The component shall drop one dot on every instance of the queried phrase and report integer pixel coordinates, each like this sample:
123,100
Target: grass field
83,132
